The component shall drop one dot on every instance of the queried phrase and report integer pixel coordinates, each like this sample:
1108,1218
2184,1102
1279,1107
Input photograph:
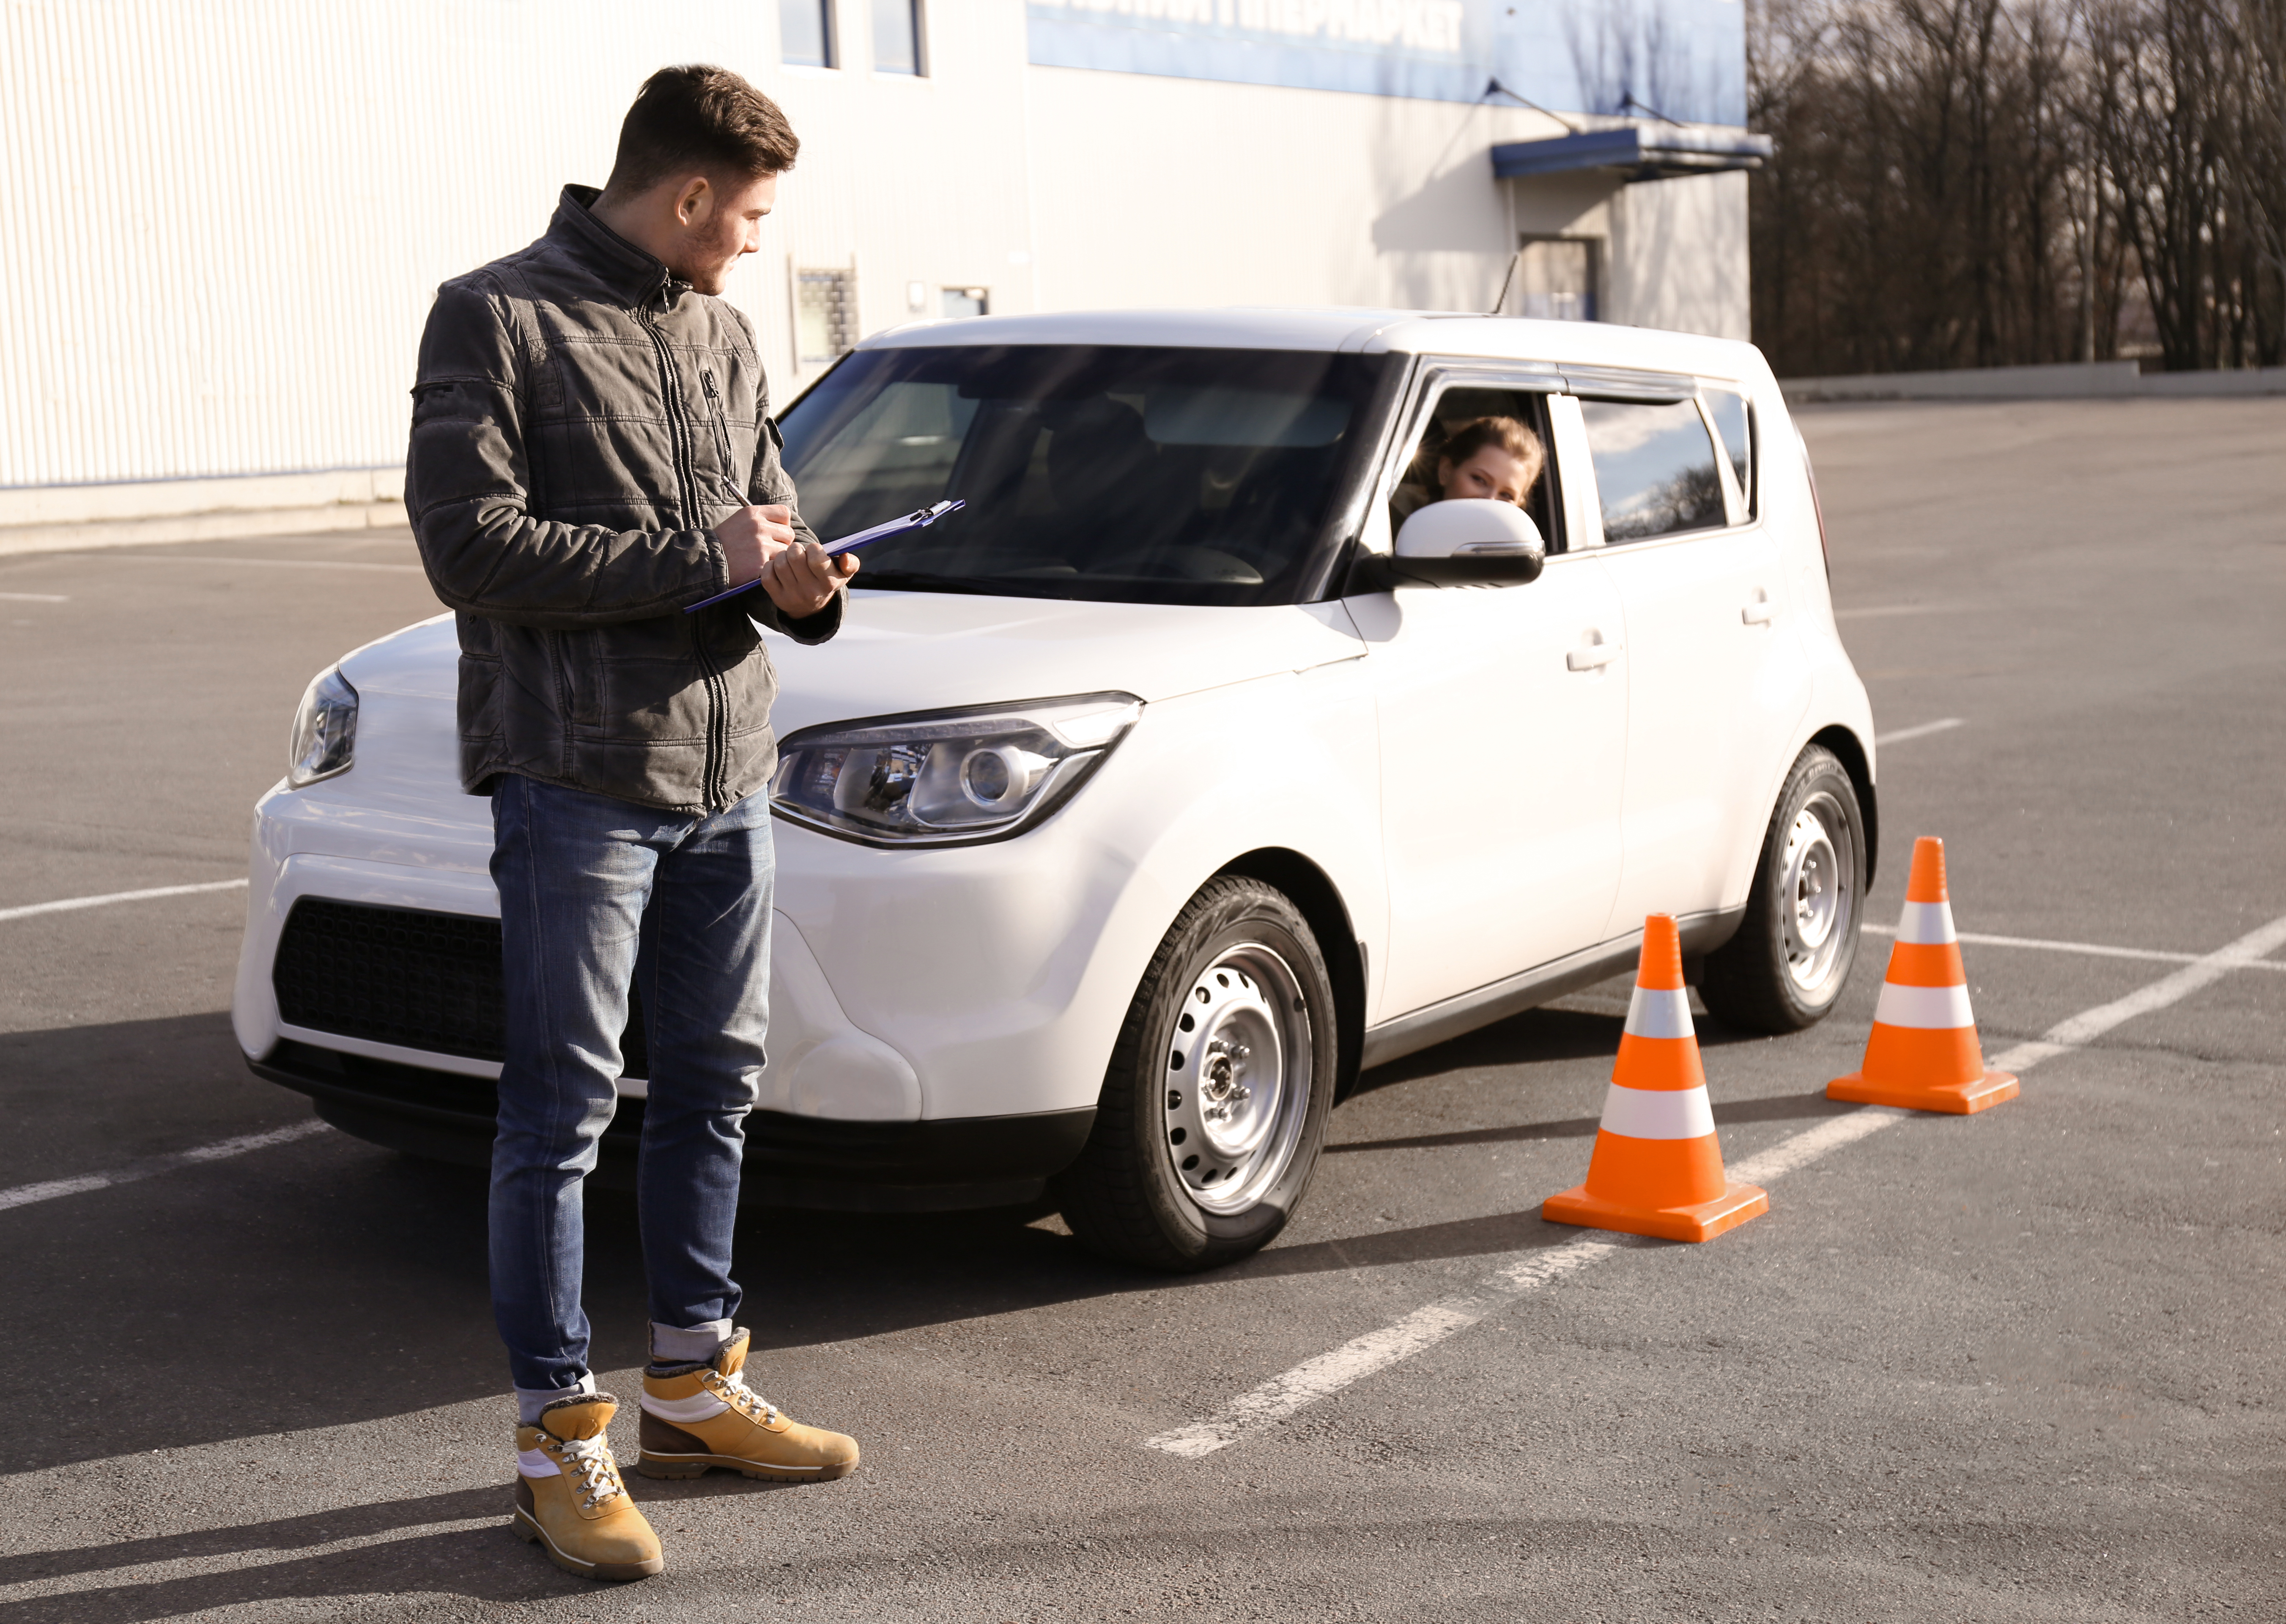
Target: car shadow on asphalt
258,1281
1534,1036
1778,1107
82,1098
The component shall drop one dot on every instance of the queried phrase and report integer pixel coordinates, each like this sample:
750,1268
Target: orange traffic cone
1923,1054
1657,1170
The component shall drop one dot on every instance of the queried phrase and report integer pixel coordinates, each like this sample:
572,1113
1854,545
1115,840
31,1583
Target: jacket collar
626,270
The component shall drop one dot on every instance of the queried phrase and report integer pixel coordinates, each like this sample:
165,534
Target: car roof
1360,330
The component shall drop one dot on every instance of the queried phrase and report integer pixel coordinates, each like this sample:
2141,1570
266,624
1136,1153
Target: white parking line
2094,950
25,1195
34,598
2246,953
1424,1327
1283,1395
1921,731
70,904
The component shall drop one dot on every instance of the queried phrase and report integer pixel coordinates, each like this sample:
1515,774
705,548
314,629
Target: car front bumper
844,1121
819,1162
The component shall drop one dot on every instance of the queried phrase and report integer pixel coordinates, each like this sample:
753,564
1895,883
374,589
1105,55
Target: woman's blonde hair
1465,440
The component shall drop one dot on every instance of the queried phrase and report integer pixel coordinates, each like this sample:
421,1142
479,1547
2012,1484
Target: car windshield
1111,473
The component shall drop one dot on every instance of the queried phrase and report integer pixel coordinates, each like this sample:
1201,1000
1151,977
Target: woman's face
1492,475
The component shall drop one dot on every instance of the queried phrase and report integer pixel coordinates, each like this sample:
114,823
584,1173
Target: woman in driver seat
1488,459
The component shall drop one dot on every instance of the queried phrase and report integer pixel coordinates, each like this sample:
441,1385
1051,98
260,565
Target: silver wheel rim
1237,1079
1818,892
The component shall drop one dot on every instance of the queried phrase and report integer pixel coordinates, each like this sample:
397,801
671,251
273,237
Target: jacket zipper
713,779
720,417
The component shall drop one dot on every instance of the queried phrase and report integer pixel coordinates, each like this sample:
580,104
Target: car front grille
404,976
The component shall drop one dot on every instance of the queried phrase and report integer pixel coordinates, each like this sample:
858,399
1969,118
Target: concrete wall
223,221
1679,255
1184,191
221,226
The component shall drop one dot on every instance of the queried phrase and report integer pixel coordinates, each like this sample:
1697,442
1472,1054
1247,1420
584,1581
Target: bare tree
1986,182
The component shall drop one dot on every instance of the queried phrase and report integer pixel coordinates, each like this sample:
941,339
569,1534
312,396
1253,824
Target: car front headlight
324,730
948,777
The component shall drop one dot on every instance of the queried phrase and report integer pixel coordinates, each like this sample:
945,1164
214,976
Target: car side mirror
1464,542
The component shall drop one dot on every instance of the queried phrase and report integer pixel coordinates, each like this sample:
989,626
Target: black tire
1780,973
1132,1194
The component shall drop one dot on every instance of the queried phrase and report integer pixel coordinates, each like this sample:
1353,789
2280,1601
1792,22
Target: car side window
1462,415
1734,421
1655,472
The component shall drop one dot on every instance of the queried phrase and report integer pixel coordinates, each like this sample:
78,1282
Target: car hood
922,651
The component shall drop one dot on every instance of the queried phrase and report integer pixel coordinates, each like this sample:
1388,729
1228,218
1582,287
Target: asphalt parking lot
2016,1367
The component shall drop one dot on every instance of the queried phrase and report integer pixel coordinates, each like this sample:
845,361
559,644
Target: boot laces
733,1390
595,1471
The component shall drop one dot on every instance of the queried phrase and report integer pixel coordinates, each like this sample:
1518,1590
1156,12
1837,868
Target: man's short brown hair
696,117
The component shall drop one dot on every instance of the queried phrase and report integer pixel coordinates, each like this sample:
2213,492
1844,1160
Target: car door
1502,715
1716,684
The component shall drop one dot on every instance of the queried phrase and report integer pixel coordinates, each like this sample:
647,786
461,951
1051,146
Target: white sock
531,1401
672,1346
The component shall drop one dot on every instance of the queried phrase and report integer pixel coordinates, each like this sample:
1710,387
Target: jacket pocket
577,661
479,702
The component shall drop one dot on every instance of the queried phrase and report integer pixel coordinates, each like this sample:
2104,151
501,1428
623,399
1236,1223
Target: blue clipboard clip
920,518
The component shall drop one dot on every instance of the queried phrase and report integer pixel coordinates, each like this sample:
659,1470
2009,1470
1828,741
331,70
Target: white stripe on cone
1936,1008
1659,1011
1657,1112
1928,924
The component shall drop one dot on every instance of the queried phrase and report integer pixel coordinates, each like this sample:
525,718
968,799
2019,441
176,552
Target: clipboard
920,518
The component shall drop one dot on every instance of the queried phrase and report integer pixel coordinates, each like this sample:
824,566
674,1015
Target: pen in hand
759,544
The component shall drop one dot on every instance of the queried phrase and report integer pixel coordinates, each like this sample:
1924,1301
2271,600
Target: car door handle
1762,611
1590,658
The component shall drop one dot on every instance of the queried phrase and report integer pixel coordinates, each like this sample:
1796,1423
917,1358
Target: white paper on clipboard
920,518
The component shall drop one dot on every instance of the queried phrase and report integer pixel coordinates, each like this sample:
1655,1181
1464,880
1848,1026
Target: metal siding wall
222,224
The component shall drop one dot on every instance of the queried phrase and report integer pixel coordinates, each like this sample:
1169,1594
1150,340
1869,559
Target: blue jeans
594,893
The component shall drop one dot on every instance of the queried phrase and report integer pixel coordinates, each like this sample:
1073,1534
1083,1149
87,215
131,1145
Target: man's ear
693,203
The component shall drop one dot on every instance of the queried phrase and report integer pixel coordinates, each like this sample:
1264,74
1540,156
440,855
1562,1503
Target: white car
1144,800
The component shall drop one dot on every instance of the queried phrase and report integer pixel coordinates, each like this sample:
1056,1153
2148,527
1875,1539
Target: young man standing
592,454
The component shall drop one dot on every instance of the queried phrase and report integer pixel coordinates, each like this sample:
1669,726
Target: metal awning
1645,150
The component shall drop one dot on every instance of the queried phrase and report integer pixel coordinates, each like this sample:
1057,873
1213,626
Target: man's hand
801,579
751,537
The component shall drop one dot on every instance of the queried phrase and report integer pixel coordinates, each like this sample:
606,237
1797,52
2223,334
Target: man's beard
709,269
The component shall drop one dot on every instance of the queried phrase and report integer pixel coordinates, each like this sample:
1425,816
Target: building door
1556,279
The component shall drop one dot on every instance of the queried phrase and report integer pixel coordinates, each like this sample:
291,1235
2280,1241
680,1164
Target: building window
968,301
806,33
897,36
1556,279
824,313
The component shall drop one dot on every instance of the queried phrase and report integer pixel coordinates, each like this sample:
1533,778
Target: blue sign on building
1683,58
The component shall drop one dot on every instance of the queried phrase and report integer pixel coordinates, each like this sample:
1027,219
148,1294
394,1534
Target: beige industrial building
223,220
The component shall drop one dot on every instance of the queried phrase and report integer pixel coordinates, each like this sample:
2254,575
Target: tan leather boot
703,1416
569,1496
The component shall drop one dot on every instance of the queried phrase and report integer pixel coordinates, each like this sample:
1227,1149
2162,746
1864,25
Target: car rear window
1655,469
1107,472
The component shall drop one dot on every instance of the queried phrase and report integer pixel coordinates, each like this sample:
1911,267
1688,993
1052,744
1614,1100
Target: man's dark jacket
582,422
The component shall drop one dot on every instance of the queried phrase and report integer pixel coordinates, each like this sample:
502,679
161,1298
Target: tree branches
1970,182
